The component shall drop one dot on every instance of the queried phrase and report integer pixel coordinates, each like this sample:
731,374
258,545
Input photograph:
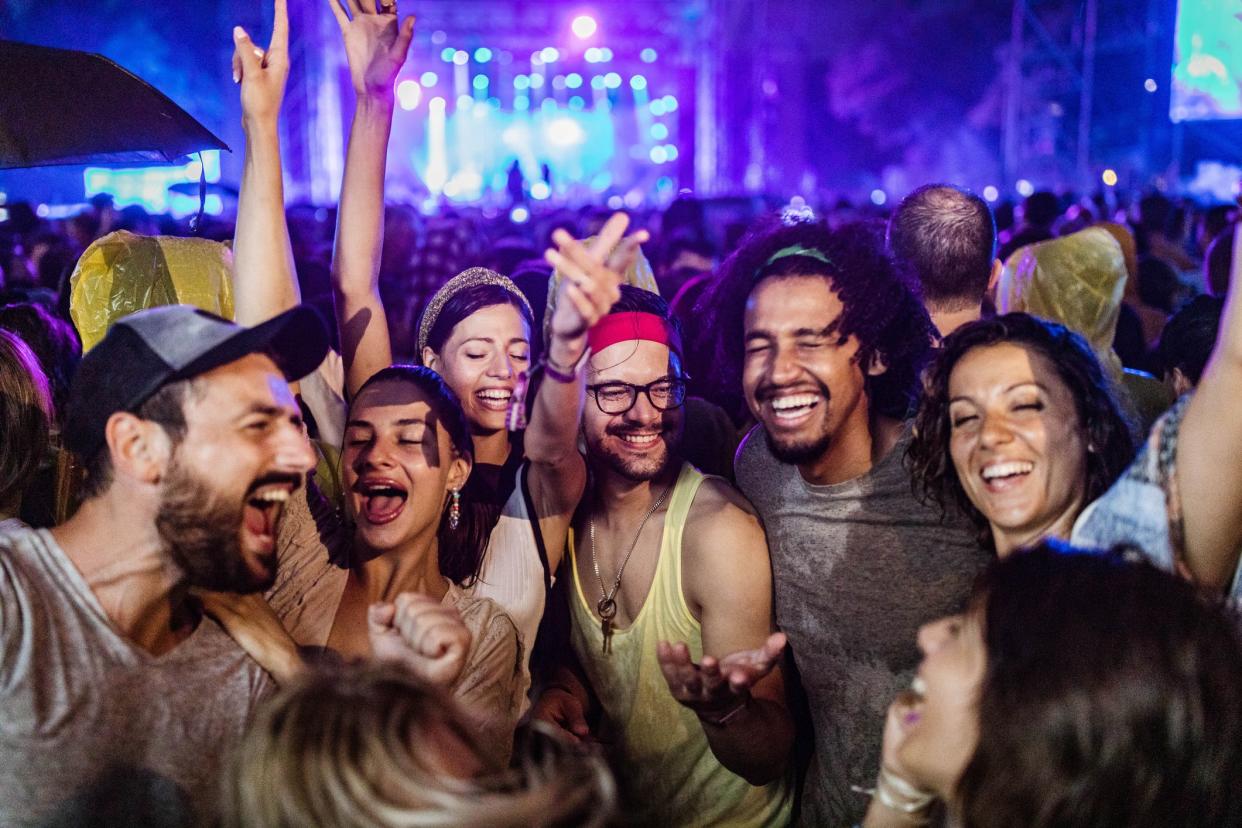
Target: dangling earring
455,510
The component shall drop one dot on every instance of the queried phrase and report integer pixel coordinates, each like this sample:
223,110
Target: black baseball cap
149,349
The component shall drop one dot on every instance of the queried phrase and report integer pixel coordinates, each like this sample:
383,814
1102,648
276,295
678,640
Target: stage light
464,101
584,26
547,105
615,202
447,54
521,103
597,82
558,82
519,215
1150,85
1024,187
480,82
461,57
659,132
990,193
658,155
564,132
1109,177
878,197
536,81
540,190
638,82
549,54
670,103
591,55
577,103
409,94
605,55
671,151
482,54
634,198
658,108
573,80
612,80
521,82
429,79
649,55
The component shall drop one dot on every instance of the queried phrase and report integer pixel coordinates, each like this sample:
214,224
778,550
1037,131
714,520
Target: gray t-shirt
857,568
93,729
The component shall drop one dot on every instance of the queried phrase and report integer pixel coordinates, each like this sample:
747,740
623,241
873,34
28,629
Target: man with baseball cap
118,698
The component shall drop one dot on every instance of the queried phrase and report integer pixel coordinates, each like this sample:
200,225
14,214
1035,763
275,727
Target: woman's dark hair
466,302
53,340
1110,697
25,416
881,304
461,549
1189,337
1111,449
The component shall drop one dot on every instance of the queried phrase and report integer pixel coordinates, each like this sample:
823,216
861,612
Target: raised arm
264,281
376,46
737,690
591,285
1209,450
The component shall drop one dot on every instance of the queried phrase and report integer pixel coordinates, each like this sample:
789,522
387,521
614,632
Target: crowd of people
926,517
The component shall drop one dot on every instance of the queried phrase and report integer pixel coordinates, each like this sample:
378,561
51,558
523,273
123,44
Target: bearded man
119,699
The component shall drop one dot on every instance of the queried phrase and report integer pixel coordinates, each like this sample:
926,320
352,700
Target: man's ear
430,359
997,267
876,365
140,449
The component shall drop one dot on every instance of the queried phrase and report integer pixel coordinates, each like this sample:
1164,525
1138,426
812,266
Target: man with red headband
671,600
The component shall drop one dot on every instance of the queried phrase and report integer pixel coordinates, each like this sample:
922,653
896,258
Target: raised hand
564,711
250,621
262,73
421,633
592,274
717,687
376,45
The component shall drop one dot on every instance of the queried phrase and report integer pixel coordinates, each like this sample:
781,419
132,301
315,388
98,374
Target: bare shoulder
723,526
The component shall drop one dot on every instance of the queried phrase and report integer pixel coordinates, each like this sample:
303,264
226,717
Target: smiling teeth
794,401
640,439
272,496
495,395
1007,470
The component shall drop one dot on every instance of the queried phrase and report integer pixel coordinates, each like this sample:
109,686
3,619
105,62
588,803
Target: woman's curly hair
1110,450
882,306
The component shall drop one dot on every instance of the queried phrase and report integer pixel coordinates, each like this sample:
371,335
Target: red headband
622,327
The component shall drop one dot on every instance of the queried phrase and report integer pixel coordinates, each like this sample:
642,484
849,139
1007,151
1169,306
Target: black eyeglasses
619,397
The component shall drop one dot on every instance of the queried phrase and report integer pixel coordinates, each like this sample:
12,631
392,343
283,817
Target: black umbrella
59,106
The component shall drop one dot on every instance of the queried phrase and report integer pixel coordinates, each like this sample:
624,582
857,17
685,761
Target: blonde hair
354,747
25,416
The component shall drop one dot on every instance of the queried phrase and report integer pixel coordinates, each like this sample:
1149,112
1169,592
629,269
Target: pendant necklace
607,606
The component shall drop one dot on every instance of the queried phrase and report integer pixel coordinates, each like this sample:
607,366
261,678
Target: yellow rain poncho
122,273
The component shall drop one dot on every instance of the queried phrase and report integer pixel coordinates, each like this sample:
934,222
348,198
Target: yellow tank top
667,772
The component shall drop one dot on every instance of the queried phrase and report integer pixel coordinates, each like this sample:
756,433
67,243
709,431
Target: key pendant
607,609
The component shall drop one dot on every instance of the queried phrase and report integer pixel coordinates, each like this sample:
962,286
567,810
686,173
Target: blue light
547,105
148,186
591,55
577,103
461,57
659,132
612,80
480,82
536,81
573,80
519,215
464,102
597,82
878,197
657,107
605,55
549,54
447,54
670,103
558,82
521,82
429,79
671,151
521,103
540,190
482,54
649,55
658,155
638,82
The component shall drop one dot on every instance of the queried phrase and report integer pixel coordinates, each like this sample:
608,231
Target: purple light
584,26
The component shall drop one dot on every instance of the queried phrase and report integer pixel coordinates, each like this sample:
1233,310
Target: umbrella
59,106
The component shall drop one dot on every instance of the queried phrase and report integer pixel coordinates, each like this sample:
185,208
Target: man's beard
200,529
637,470
802,450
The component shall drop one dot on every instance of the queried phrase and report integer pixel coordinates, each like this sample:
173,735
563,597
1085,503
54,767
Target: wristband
899,795
722,721
559,372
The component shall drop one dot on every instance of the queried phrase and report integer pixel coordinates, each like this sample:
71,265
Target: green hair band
796,250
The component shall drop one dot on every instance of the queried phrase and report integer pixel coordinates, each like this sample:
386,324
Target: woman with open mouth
1078,688
1017,427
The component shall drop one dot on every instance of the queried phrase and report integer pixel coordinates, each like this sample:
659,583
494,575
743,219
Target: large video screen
1207,61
